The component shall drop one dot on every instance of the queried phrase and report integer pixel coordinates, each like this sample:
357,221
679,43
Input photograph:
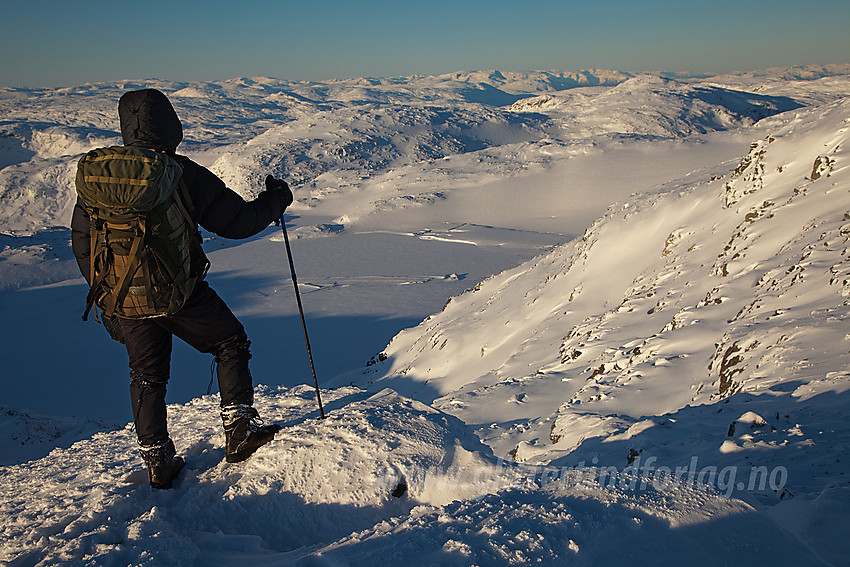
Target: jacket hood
149,121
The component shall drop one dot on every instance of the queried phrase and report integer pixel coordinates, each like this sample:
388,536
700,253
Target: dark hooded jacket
149,121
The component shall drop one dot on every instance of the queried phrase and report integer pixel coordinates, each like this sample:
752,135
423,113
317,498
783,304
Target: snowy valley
559,318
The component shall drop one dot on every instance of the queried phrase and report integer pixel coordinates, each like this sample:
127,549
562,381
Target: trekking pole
301,311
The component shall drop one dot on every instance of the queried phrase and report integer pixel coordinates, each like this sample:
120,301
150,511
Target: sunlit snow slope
709,321
713,288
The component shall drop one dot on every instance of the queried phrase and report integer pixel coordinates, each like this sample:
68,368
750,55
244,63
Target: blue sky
61,43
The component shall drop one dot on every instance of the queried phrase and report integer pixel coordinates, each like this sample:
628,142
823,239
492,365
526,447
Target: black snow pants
205,323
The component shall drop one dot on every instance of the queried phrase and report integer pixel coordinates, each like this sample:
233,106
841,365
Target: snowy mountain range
641,353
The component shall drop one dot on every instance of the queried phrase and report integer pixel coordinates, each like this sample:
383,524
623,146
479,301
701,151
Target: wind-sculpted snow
383,479
317,481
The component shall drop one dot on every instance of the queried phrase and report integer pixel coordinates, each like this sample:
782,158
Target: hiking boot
163,466
244,432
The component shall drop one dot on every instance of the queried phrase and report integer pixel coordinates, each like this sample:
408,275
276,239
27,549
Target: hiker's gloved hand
282,190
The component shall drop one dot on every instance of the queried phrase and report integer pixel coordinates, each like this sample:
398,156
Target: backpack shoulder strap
184,202
187,209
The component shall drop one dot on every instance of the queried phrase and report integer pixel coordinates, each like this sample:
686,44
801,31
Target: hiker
204,321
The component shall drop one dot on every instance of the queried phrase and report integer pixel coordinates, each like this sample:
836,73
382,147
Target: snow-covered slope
707,321
651,106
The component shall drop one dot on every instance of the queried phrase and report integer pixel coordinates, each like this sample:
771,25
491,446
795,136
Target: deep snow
696,330
320,494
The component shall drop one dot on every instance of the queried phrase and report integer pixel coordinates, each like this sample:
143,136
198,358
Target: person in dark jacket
205,322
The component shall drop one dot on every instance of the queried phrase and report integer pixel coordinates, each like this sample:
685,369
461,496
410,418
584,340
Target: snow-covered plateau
558,318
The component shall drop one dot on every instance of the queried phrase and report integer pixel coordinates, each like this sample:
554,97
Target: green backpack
141,232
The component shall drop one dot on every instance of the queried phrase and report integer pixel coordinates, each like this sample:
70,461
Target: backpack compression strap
97,234
135,256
